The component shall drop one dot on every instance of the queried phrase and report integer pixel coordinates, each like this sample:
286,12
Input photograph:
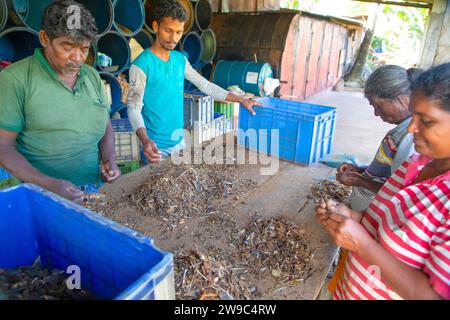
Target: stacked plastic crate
228,110
127,146
200,118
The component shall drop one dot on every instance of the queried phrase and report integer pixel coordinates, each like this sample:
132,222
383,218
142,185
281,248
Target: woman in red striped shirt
400,246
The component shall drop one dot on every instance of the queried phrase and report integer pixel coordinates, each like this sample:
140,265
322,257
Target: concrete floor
358,131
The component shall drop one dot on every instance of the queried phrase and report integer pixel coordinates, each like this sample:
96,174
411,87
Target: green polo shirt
58,128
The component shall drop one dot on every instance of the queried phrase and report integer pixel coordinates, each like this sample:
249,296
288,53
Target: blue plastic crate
115,262
306,130
198,109
4,174
127,144
121,125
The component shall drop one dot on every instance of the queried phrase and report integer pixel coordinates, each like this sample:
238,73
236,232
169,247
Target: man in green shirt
54,114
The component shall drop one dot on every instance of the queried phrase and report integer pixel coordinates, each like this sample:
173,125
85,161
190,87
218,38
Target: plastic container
144,38
114,261
206,70
127,146
208,39
203,15
28,13
115,46
249,76
116,91
92,57
129,16
103,13
17,43
226,108
198,109
7,180
228,125
3,14
127,167
208,131
306,131
193,46
4,174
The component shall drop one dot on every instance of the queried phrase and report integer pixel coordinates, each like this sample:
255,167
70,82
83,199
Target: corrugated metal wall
309,53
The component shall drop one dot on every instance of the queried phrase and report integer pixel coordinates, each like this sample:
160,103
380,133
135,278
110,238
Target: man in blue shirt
156,99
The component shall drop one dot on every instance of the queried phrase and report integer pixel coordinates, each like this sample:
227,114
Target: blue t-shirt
163,110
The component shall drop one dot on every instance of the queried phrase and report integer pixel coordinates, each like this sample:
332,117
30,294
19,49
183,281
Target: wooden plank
416,4
282,194
318,28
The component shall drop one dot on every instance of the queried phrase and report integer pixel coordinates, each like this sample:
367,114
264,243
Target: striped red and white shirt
412,222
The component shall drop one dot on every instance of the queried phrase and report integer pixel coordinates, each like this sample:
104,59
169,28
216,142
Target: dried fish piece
36,283
208,277
330,189
184,191
277,246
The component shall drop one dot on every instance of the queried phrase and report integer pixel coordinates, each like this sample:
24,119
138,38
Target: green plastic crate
130,166
225,108
10,182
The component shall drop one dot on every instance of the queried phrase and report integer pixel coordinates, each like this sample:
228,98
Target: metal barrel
249,76
193,46
209,45
129,16
203,14
144,38
3,14
150,6
116,91
103,13
206,70
27,13
189,8
92,57
115,46
18,43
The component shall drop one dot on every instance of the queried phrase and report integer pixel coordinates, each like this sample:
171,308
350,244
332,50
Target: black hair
435,84
58,15
170,9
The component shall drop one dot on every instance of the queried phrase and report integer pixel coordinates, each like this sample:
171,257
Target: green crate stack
226,108
8,183
129,166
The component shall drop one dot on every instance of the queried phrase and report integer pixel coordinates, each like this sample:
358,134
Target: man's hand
152,152
110,172
349,167
66,190
249,104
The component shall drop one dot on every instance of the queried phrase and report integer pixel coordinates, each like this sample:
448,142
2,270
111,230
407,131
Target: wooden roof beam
422,4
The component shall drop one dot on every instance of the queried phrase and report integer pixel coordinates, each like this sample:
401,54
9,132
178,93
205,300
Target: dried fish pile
330,189
208,277
36,283
277,247
182,191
